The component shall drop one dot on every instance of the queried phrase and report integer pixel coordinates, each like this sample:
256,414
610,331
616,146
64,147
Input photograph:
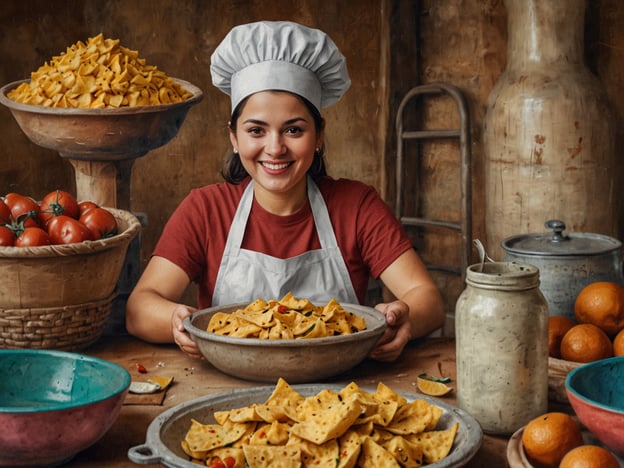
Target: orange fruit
586,343
547,438
618,344
602,304
558,325
589,456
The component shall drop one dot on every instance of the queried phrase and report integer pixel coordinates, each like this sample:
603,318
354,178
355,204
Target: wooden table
196,378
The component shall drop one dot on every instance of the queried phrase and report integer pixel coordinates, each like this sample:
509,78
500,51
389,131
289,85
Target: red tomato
217,463
85,206
5,213
33,236
100,222
58,203
65,230
22,208
229,462
7,237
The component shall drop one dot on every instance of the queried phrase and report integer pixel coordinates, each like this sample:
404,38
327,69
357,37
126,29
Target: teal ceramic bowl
54,404
596,393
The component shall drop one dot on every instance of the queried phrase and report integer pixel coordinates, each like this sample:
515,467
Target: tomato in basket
32,236
23,208
57,203
66,230
100,222
7,237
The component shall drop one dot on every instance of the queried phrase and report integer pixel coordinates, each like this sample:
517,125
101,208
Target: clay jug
549,134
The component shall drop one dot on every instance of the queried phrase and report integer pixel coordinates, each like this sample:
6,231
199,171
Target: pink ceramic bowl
54,404
596,393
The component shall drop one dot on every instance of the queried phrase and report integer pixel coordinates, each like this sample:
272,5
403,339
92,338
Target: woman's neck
282,203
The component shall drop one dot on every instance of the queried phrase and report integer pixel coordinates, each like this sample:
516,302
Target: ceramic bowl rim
579,396
197,96
61,406
369,332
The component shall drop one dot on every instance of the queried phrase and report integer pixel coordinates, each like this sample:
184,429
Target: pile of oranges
597,333
555,440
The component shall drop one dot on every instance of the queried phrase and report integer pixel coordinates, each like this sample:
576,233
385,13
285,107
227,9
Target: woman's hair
233,170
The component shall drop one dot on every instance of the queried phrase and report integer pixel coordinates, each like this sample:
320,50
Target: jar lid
559,244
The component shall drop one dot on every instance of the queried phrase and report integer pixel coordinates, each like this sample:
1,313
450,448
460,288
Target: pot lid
557,243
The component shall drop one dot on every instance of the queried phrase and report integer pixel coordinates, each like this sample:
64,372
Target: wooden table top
195,378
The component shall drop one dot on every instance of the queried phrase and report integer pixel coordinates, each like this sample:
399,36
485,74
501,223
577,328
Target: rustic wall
390,45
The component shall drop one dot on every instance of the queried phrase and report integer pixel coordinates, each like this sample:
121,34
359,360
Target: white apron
317,275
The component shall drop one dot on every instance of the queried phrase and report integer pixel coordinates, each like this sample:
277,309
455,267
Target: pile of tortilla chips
98,74
286,319
348,428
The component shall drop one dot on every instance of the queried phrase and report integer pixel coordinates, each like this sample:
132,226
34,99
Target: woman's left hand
396,335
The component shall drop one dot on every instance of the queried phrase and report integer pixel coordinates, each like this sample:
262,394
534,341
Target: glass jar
501,332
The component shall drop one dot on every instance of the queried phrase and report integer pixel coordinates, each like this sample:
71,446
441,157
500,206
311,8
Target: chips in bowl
98,74
288,318
349,427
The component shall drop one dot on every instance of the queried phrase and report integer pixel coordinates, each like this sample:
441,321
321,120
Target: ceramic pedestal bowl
101,134
55,404
596,393
296,361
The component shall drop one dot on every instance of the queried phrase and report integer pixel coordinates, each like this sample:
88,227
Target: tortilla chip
350,444
407,454
373,454
222,453
317,455
411,418
274,433
204,437
285,396
284,456
435,444
325,417
238,415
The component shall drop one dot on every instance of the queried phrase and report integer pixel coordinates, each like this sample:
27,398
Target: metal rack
464,224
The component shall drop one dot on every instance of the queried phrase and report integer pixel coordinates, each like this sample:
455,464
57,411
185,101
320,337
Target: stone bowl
596,393
55,404
296,361
101,134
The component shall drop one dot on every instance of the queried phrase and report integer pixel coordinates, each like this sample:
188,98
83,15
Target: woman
279,224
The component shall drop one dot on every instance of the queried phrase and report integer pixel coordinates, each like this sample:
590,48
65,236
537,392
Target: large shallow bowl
101,134
296,361
164,434
596,393
55,404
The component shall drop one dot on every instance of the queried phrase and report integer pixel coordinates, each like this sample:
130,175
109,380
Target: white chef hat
279,55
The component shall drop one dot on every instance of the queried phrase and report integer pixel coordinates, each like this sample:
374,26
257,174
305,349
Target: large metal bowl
296,361
55,404
167,430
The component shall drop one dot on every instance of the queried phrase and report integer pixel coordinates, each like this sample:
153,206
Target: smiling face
276,137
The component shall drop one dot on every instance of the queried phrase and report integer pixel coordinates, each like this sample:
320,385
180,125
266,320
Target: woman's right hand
181,337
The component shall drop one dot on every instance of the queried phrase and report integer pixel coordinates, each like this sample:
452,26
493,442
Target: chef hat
279,55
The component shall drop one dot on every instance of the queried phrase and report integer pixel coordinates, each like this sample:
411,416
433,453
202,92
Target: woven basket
60,296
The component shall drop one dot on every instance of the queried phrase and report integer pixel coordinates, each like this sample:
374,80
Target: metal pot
567,262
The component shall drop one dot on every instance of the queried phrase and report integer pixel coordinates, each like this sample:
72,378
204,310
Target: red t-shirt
368,234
